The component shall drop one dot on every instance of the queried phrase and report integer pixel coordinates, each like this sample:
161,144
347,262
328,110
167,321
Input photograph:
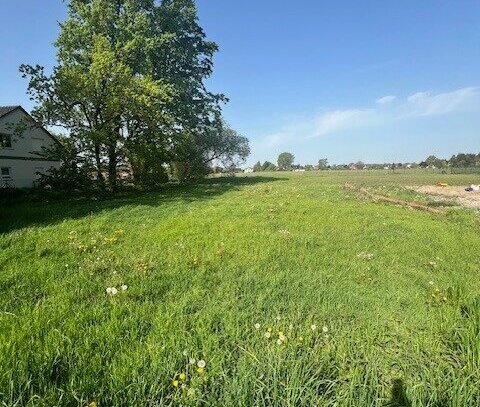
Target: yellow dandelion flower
175,383
200,370
182,377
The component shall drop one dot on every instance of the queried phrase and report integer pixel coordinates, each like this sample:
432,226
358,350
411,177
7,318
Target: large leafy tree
129,86
285,161
323,164
184,58
102,87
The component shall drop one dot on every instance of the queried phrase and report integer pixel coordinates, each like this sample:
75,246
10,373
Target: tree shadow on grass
399,396
43,213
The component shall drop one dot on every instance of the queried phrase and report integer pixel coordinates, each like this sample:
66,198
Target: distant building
357,166
21,139
298,168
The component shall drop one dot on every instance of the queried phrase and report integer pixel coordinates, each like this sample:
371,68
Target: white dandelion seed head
257,326
109,290
325,329
124,287
114,291
192,361
313,327
268,335
201,364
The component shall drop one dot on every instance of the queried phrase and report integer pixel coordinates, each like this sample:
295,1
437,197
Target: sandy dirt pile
456,193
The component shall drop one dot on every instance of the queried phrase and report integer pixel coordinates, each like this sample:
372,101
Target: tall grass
292,290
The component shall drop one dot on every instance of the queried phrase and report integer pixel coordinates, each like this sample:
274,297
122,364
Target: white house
20,139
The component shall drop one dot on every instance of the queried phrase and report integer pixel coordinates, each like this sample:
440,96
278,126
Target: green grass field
292,290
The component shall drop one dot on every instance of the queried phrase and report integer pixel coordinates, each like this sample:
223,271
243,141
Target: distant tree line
129,90
286,163
461,160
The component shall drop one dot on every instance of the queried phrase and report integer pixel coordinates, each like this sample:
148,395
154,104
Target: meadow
276,290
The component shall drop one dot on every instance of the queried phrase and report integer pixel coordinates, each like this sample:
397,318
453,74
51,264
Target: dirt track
458,194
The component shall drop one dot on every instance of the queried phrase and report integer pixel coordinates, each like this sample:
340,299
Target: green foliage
465,160
268,166
129,88
436,162
203,264
222,145
285,161
323,164
257,167
74,172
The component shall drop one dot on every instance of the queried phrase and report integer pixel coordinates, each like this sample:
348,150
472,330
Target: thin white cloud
386,100
274,140
339,120
387,110
427,104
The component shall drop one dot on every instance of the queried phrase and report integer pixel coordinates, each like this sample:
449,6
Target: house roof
5,110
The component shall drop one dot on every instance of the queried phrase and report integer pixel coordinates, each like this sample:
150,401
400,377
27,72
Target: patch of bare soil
458,194
401,202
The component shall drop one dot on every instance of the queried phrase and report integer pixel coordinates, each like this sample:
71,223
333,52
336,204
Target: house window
5,141
6,172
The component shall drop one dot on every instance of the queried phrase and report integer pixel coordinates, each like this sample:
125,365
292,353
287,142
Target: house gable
24,137
6,110
21,141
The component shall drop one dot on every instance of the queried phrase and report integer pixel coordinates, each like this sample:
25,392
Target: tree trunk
112,166
100,178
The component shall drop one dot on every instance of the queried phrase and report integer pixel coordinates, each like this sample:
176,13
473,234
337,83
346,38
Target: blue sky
377,81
